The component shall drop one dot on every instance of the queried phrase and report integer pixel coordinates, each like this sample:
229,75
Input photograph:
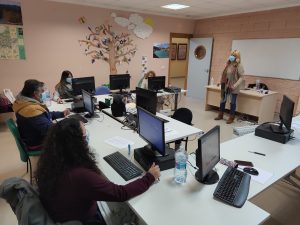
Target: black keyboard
123,166
78,117
233,188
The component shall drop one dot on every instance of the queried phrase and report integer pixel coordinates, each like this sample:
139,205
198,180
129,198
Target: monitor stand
145,156
211,178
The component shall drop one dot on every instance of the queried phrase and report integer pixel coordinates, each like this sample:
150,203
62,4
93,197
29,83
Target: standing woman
64,88
231,83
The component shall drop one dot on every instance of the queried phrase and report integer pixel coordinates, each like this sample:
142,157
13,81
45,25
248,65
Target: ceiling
198,9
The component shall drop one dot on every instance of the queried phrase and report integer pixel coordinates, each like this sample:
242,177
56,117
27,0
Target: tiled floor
281,200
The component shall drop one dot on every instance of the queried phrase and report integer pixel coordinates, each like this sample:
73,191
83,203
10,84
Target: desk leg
176,101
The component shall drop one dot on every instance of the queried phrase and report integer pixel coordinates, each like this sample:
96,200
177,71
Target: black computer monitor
151,128
88,103
207,156
85,83
146,99
156,83
119,82
286,116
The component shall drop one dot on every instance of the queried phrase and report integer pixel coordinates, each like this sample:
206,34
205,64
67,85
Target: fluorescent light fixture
175,6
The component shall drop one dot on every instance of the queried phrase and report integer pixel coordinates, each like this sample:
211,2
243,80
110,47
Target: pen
128,149
258,153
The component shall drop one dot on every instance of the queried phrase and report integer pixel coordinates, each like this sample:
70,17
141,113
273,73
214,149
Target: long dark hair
64,148
65,74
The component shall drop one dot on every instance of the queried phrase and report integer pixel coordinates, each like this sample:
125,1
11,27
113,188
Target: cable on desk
195,167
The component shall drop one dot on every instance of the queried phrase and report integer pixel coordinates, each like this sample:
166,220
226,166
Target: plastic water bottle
211,81
181,158
257,84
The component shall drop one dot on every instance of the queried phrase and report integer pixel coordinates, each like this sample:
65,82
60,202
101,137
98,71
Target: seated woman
64,88
144,84
69,180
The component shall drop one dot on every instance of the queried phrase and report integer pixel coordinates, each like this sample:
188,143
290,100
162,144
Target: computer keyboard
240,131
78,117
123,166
233,188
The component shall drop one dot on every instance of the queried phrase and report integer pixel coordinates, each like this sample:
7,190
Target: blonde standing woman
231,83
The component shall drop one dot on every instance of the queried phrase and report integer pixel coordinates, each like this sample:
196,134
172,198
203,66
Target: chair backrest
183,115
15,132
261,86
102,90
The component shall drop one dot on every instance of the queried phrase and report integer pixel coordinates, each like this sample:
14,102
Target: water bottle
181,158
257,84
211,81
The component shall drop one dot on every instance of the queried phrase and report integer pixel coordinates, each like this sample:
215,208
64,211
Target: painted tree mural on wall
104,44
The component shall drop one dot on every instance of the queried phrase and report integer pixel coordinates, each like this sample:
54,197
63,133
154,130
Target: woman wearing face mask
231,83
69,180
64,88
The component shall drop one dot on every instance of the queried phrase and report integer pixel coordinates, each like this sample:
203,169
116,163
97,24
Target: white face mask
69,80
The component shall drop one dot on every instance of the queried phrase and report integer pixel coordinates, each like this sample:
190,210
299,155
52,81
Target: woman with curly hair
69,180
231,83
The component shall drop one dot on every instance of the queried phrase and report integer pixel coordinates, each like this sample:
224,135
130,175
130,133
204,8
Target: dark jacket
24,201
33,120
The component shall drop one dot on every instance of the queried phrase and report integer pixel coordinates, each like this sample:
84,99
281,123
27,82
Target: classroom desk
165,94
192,203
249,102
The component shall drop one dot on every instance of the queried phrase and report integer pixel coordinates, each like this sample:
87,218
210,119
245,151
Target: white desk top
193,203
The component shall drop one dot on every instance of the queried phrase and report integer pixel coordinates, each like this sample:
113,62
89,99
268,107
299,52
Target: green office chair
24,154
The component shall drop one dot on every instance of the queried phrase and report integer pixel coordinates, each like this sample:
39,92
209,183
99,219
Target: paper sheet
262,177
170,132
119,142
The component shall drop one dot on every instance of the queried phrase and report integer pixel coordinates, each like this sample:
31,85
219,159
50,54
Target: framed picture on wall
181,51
173,51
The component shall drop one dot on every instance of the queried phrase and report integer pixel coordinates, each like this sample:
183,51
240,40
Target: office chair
25,203
261,86
24,154
183,115
102,90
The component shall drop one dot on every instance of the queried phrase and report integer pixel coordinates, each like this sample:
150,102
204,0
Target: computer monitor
88,103
286,115
85,83
119,82
207,156
151,128
156,83
146,99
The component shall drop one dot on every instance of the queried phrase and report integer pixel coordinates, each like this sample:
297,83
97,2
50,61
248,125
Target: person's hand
66,112
60,101
155,171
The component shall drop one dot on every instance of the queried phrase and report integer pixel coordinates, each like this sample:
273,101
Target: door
199,65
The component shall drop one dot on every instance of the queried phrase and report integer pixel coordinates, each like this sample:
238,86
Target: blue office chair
102,90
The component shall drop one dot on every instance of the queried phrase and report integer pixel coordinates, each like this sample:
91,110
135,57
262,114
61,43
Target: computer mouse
251,171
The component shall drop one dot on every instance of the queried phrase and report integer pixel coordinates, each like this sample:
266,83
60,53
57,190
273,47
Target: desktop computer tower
265,131
145,158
